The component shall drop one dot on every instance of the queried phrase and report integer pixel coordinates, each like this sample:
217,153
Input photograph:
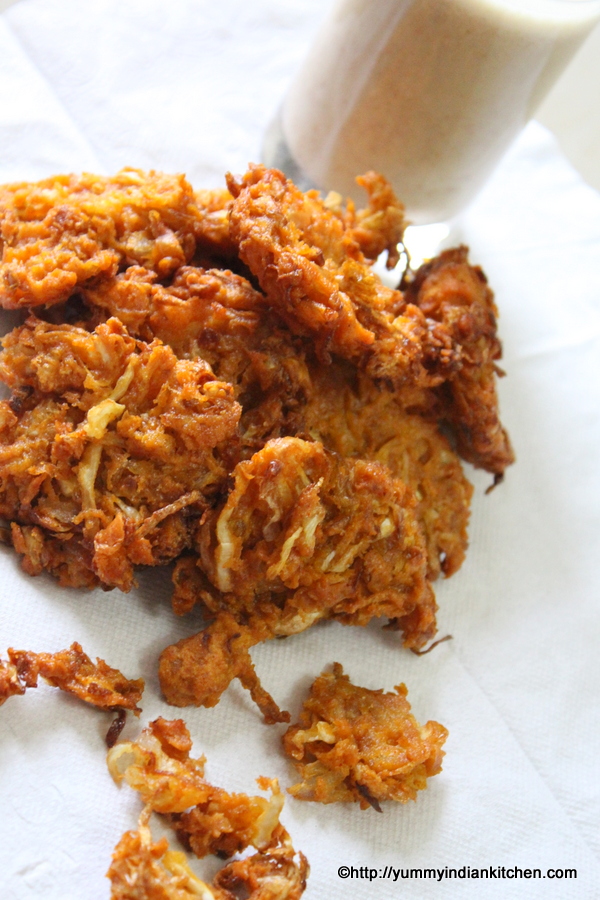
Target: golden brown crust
72,671
10,684
303,535
356,418
143,870
64,232
171,782
456,294
352,743
213,236
112,444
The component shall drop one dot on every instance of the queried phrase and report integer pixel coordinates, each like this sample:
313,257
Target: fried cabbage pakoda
304,535
143,870
352,743
61,233
171,782
217,316
450,291
441,330
207,819
107,445
73,671
221,379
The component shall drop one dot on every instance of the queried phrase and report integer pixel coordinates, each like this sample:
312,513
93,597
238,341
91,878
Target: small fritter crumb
10,686
277,873
208,819
352,743
142,870
74,672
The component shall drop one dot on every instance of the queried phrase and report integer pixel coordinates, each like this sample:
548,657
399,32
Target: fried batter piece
219,317
313,271
356,744
106,447
441,329
74,672
277,873
142,870
208,819
66,231
356,418
303,535
450,291
10,684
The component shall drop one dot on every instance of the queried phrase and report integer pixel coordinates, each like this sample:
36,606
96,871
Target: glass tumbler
428,92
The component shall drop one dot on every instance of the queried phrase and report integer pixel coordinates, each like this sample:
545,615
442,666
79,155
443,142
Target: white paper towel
190,86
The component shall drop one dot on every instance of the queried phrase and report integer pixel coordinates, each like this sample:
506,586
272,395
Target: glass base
422,242
276,154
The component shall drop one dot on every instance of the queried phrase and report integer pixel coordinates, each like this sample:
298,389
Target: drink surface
428,92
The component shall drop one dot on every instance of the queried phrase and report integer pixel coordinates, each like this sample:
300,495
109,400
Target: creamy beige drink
428,92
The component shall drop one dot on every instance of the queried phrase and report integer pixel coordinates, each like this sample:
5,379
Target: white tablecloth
190,85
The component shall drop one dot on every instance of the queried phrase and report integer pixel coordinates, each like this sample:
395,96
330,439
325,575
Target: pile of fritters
221,379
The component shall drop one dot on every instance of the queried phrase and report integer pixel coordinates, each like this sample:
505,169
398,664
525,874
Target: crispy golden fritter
171,782
442,329
277,873
313,271
452,292
107,444
352,743
303,535
10,684
143,870
68,230
356,418
217,316
74,672
207,819
197,669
